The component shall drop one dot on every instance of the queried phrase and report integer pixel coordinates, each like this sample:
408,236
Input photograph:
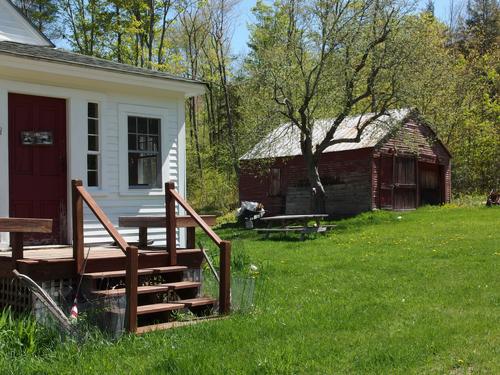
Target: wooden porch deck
49,263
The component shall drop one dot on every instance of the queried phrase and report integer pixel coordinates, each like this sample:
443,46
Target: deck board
67,252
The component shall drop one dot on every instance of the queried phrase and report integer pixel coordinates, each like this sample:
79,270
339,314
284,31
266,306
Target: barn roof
284,141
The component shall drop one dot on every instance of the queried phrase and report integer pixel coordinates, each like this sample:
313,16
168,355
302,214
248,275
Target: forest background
447,67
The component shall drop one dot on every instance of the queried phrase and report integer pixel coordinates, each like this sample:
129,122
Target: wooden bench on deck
145,222
17,227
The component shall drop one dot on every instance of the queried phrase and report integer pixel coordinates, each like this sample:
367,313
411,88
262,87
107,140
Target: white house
66,116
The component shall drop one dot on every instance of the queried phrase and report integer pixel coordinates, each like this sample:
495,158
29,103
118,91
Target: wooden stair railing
172,196
80,195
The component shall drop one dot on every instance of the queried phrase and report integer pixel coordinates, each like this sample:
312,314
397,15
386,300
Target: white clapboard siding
14,28
109,199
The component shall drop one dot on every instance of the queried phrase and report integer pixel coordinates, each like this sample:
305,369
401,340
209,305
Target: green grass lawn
379,295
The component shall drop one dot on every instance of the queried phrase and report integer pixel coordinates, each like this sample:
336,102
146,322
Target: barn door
405,184
398,188
386,181
37,163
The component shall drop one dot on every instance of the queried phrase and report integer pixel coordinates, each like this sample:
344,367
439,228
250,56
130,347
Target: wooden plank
25,225
16,240
225,278
169,325
131,283
158,307
147,289
197,302
170,223
294,217
77,224
182,285
190,237
210,233
143,237
103,219
142,271
181,221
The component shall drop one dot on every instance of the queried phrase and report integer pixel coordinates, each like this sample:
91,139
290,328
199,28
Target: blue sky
240,36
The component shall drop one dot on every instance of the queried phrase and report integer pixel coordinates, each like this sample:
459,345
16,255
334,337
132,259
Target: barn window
144,154
93,150
275,183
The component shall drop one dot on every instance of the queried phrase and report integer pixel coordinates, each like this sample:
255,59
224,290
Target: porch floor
65,252
50,263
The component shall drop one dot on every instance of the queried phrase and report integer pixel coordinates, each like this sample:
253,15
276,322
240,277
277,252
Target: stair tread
182,284
158,307
142,271
159,288
200,301
175,324
140,290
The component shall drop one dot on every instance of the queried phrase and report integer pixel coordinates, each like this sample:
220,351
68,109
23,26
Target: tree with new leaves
327,58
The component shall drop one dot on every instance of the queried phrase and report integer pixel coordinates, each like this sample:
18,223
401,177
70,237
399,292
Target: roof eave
189,88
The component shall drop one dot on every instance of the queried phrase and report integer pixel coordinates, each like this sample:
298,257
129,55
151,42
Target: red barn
398,164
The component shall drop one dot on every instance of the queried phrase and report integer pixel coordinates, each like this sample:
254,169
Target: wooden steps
142,271
183,285
149,289
197,302
159,307
169,325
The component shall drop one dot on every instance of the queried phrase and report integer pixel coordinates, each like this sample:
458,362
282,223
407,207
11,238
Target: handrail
224,246
80,195
210,233
103,219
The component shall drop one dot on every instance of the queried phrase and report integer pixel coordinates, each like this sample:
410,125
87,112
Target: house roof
55,55
16,27
284,141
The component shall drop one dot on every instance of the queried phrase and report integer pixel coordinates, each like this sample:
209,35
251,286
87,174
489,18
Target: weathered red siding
351,178
346,176
414,138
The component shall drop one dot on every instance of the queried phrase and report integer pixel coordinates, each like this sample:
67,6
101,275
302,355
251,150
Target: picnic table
145,222
285,224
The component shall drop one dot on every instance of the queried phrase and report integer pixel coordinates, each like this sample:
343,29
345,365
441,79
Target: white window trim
98,188
126,110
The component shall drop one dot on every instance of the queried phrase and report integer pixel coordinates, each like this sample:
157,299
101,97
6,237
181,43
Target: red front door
37,163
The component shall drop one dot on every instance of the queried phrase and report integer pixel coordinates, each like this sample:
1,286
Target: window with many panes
93,145
144,152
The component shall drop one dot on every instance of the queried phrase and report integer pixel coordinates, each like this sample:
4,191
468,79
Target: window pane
93,110
132,124
92,126
143,170
93,143
142,125
142,142
153,144
92,162
92,179
132,142
154,126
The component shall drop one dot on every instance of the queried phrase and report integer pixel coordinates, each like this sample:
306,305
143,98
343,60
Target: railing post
170,224
131,283
225,278
16,241
77,215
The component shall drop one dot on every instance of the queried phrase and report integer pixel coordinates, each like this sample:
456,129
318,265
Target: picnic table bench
303,229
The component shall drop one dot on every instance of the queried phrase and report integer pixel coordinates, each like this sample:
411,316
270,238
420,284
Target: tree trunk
318,195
